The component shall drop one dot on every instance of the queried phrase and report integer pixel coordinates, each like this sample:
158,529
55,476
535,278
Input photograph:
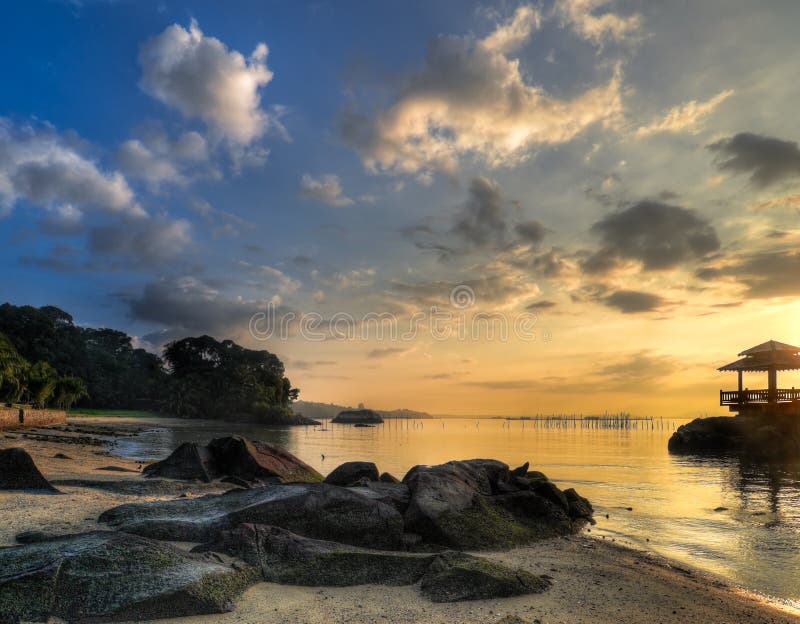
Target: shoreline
594,580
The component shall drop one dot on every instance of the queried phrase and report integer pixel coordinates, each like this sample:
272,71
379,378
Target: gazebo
769,357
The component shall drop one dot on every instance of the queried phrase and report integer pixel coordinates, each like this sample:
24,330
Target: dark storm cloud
378,354
541,305
660,236
764,275
530,231
188,305
145,241
483,222
766,159
633,301
483,218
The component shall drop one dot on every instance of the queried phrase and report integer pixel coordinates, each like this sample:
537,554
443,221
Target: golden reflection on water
738,520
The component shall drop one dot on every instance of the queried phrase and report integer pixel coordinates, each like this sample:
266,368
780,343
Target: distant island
329,411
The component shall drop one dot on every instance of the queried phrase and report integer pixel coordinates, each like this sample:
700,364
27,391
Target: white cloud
202,78
48,169
326,188
509,36
471,99
685,117
156,159
285,284
582,17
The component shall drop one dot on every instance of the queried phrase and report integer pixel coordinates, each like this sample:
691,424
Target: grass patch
107,413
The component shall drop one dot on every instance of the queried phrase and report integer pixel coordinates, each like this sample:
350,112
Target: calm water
754,542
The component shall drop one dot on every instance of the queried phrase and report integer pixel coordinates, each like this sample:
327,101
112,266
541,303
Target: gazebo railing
735,397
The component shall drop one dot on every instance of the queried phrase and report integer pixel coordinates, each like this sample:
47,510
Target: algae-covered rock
108,576
316,510
480,504
285,557
455,576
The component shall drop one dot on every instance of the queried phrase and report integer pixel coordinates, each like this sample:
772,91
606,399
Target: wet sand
594,582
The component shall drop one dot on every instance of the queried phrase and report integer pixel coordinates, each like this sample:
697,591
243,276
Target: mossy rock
288,558
107,576
455,576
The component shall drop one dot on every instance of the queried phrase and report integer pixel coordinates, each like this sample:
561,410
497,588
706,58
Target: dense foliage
38,384
116,375
215,379
46,359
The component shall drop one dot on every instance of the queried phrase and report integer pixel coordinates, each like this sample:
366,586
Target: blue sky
625,171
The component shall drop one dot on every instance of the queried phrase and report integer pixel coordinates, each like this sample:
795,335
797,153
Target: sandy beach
594,581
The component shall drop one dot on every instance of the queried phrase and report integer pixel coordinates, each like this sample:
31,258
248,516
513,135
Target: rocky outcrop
188,462
455,576
359,416
285,557
760,437
316,510
108,576
350,473
481,504
245,461
19,472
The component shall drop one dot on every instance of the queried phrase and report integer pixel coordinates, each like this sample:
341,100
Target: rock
19,472
388,478
579,507
31,537
285,557
477,504
761,437
316,510
61,456
107,576
395,494
360,416
188,462
513,619
253,461
350,473
457,576
521,471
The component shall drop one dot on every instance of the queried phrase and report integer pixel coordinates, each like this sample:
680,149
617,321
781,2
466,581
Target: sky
569,206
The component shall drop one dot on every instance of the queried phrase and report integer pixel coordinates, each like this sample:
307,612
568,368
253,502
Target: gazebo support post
772,378
741,399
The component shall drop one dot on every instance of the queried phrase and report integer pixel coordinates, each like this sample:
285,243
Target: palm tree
68,391
13,369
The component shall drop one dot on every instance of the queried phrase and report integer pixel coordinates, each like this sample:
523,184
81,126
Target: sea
734,519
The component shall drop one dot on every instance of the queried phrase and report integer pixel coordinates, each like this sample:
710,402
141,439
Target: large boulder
108,576
455,576
188,462
315,510
350,473
285,557
358,417
761,437
239,457
481,504
235,458
19,472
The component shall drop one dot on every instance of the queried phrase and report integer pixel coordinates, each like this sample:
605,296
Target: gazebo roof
768,355
771,345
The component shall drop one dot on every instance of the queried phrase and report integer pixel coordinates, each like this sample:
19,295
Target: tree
40,383
12,371
214,379
68,390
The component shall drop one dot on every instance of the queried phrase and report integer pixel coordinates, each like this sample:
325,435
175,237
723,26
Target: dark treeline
46,359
